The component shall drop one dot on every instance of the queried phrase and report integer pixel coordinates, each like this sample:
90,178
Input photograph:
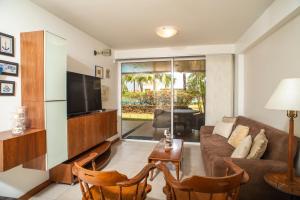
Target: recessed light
166,31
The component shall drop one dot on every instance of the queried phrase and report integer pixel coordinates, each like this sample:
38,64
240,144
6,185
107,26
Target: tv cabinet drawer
87,131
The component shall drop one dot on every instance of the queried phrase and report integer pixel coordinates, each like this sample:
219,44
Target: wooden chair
205,188
111,185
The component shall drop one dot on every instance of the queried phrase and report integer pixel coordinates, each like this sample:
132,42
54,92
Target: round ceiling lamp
166,31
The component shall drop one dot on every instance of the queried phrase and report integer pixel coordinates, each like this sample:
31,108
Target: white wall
277,14
275,58
219,87
168,52
21,16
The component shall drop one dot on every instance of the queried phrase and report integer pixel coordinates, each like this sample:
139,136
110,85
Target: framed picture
9,68
99,72
7,45
104,92
107,73
7,88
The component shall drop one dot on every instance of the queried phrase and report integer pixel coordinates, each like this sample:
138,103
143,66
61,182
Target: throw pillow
229,119
239,133
243,149
223,129
259,146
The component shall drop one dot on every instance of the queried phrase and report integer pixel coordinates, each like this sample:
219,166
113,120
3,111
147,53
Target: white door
55,67
56,129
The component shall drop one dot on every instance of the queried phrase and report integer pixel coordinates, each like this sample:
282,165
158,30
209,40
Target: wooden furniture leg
177,165
151,172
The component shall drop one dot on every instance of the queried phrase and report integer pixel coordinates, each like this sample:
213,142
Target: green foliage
193,92
196,87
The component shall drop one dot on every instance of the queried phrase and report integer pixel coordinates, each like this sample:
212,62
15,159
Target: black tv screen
83,94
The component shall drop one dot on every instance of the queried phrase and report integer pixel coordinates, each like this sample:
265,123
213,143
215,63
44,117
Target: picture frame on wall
107,73
99,72
9,68
7,88
7,44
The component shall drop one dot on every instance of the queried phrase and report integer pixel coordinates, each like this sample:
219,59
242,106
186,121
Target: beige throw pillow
229,119
223,129
259,146
243,149
239,133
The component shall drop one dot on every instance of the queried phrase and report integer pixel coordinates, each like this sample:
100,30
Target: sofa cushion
216,145
277,140
239,133
243,149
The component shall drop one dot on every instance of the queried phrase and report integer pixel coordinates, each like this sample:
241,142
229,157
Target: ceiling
125,24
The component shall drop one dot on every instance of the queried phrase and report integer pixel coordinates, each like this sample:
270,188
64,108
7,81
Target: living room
202,80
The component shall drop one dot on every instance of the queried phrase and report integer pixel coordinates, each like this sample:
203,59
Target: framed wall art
9,68
99,72
7,44
7,88
107,73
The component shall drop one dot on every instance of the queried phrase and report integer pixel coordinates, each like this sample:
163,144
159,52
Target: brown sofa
214,148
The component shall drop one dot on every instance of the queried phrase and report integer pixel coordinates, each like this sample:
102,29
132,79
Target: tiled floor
129,157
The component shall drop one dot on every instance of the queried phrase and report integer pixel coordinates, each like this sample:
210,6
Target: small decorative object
287,97
9,68
104,92
99,72
7,45
7,88
168,140
104,52
19,121
107,73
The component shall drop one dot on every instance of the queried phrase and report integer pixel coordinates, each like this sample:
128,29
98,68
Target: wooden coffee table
173,155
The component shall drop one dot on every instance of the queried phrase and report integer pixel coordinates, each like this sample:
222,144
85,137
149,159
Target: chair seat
112,193
197,196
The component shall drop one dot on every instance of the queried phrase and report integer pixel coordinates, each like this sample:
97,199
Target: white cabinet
44,69
56,132
55,67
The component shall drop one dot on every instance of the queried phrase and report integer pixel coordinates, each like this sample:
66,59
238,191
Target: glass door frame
167,59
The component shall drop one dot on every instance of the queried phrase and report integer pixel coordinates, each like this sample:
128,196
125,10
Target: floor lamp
287,97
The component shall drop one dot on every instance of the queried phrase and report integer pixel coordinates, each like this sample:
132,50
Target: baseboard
115,140
35,190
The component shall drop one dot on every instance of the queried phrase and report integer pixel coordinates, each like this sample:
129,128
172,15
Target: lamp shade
286,96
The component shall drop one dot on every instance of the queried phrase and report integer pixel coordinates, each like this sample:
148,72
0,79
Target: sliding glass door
159,95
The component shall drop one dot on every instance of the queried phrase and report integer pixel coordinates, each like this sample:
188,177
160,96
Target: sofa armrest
260,167
257,186
255,168
206,129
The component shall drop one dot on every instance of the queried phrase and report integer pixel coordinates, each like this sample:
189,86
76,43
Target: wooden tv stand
89,130
86,134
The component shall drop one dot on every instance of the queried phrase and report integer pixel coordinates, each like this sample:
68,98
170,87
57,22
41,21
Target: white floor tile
129,158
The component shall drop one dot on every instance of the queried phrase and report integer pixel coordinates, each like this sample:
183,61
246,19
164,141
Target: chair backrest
198,187
111,184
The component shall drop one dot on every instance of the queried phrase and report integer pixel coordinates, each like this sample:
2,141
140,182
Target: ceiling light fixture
166,31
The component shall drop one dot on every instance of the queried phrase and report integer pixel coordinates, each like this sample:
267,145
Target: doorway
159,95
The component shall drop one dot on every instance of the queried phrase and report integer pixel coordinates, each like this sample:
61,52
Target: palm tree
128,78
196,86
166,79
141,79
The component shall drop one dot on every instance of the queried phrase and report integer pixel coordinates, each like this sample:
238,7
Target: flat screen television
83,94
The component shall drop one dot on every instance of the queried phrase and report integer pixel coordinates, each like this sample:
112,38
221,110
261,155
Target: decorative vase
19,120
168,140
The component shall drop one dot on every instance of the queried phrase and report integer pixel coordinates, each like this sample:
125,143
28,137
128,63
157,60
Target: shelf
18,149
63,172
